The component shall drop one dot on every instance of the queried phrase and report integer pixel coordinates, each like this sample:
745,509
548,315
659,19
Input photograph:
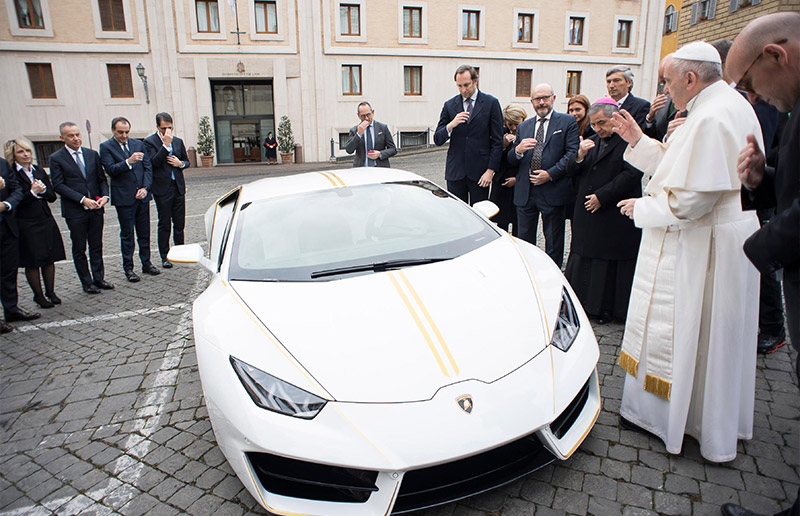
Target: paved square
101,409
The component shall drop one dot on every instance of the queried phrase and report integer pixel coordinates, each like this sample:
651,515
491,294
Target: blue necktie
173,171
370,162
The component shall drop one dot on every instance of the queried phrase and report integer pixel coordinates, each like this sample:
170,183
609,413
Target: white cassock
690,336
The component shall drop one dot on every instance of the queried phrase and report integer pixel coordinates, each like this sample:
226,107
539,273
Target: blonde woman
503,184
40,244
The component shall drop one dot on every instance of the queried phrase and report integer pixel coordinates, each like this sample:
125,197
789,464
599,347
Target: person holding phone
168,157
131,173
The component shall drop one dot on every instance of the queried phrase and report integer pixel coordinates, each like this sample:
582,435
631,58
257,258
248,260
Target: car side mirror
486,208
189,253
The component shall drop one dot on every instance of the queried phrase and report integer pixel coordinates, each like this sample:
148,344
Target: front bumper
371,459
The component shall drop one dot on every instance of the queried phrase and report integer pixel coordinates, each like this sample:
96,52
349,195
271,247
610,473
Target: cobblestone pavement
101,410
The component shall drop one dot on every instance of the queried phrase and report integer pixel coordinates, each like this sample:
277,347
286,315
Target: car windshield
331,234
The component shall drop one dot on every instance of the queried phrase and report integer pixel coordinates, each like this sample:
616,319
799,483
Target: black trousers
9,262
134,218
88,228
171,209
553,222
770,303
468,190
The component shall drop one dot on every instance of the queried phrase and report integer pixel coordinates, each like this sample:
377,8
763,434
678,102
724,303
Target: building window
573,83
349,18
29,14
525,28
351,79
119,81
703,10
624,33
412,22
112,15
412,80
670,20
736,4
471,21
44,150
409,139
343,139
266,16
40,77
207,15
524,83
576,30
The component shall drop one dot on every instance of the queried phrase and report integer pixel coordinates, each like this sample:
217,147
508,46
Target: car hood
401,335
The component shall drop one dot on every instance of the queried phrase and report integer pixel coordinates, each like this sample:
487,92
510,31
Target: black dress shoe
53,298
166,264
151,270
22,315
5,328
770,343
103,285
604,318
43,302
730,509
132,277
91,289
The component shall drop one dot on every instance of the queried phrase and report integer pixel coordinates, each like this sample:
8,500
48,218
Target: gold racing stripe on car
329,178
428,317
264,502
415,316
261,326
542,313
333,178
596,414
339,179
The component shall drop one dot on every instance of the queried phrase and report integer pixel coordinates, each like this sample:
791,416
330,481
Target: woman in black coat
605,243
272,149
502,193
40,243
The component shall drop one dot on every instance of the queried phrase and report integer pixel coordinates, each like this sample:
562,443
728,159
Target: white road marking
128,467
98,318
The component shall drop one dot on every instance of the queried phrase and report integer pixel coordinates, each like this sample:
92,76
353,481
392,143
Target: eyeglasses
365,116
745,83
541,99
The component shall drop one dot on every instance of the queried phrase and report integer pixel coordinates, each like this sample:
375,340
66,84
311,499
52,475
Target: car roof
322,180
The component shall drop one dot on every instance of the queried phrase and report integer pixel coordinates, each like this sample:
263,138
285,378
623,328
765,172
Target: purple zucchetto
607,100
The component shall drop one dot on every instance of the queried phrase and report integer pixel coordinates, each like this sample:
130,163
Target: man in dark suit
78,178
763,63
10,195
168,157
619,82
473,122
662,110
544,145
370,140
131,173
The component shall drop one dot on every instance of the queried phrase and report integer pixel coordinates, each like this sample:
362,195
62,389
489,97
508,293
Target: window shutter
118,14
755,2
119,80
37,88
674,22
695,9
40,78
712,9
105,15
733,6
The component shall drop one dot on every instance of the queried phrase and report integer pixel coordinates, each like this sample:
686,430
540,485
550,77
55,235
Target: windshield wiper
376,267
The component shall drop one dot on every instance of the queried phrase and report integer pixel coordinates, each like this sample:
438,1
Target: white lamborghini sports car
369,344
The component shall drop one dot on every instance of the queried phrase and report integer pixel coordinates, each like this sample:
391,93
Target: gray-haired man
619,82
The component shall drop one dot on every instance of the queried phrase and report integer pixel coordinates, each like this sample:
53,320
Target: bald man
765,62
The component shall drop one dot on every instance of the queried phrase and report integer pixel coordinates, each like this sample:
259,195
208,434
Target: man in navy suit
619,82
78,178
544,145
10,196
473,122
131,173
168,156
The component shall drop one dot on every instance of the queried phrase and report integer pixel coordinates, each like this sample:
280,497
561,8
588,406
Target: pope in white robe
690,337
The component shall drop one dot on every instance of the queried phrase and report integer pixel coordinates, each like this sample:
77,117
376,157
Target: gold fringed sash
628,363
658,386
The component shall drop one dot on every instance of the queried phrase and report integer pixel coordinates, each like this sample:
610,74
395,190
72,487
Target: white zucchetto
698,51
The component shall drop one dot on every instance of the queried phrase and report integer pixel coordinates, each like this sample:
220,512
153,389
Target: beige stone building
246,63
710,20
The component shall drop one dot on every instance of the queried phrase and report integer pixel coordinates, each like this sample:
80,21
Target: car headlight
567,324
276,395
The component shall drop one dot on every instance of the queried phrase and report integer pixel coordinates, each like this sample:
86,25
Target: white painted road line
99,318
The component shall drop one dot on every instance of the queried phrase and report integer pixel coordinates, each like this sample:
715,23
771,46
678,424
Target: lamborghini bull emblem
465,402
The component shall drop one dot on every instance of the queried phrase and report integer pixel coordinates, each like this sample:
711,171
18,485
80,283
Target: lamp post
140,71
